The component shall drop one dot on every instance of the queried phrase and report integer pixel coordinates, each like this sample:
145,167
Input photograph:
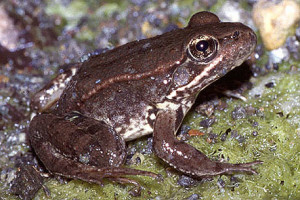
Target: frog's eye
202,49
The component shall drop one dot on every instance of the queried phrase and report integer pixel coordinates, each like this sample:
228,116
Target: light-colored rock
275,20
8,32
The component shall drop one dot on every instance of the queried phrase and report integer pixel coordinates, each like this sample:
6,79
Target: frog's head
211,48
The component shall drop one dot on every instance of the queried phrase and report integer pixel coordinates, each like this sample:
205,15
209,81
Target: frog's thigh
79,138
79,147
184,157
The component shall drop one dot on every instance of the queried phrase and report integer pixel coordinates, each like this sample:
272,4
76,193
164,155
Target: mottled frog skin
143,87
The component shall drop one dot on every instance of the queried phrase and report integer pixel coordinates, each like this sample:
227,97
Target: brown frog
143,87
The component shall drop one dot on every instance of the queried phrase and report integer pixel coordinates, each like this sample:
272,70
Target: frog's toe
135,191
250,164
227,168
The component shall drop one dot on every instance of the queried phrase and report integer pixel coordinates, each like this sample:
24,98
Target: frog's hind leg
183,156
79,147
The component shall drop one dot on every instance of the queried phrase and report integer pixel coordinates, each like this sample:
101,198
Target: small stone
238,113
255,124
241,139
275,20
221,183
224,136
148,148
293,46
255,133
234,134
212,138
250,110
298,33
279,55
184,129
270,85
194,197
234,181
186,181
206,109
27,182
207,122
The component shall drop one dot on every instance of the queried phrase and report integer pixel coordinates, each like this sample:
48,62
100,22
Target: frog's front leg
80,147
184,157
49,95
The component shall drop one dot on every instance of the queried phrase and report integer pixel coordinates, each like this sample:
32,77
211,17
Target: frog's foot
79,147
136,191
186,158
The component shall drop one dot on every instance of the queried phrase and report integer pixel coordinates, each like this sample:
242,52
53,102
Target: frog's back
124,67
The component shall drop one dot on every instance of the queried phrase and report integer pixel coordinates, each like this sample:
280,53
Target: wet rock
279,55
293,46
224,135
250,110
184,129
11,113
183,133
237,136
297,33
221,183
206,109
8,32
234,182
232,11
212,138
148,149
193,197
238,113
186,181
270,66
255,124
234,134
270,85
27,183
275,20
207,122
255,133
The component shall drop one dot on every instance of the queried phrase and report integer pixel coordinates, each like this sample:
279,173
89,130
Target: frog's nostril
235,35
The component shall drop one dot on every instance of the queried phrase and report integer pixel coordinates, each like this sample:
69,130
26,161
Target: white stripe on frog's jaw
196,84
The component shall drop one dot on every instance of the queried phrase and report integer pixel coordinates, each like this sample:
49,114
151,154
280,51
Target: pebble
238,113
186,181
194,197
207,122
8,32
278,55
298,33
275,20
255,133
270,85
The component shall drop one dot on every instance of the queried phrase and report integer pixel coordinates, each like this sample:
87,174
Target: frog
141,88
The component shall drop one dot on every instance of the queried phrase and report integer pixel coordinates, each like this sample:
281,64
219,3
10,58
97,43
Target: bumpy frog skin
143,87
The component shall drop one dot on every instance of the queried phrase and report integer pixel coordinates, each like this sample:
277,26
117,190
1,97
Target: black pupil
202,45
